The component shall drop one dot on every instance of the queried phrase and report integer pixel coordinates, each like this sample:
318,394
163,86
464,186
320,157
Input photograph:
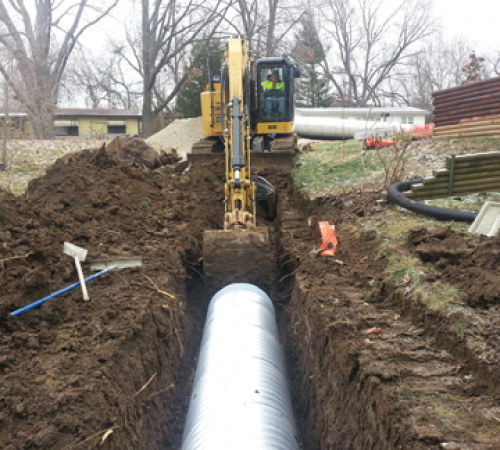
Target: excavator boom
241,251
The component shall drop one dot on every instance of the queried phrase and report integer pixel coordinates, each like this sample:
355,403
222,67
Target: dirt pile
135,150
471,267
369,367
181,134
72,370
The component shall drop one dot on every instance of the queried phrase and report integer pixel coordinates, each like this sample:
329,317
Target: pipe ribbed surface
240,398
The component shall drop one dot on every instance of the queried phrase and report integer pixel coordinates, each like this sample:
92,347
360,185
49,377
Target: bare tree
168,28
40,38
495,63
282,19
101,81
264,24
438,65
5,129
368,43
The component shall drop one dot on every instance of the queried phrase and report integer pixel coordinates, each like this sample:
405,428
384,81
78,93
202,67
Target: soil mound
135,150
469,267
72,370
7,208
181,134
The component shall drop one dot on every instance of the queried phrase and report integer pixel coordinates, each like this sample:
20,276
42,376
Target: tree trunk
147,114
43,124
5,155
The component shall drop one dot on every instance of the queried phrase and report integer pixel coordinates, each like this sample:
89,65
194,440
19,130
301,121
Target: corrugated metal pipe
240,397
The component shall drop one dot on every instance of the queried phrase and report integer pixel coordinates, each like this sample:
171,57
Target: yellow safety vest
268,85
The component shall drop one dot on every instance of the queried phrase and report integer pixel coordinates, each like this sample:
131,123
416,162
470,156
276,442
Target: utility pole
5,159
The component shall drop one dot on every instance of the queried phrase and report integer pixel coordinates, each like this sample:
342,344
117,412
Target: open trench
351,389
367,368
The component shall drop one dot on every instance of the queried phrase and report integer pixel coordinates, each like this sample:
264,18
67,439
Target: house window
407,120
117,127
65,128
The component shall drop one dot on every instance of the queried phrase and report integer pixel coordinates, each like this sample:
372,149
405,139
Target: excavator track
207,145
278,153
281,144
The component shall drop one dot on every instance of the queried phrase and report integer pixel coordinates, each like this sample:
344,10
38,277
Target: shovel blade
75,251
117,263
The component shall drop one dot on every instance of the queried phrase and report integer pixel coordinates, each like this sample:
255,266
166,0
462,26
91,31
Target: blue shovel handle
56,294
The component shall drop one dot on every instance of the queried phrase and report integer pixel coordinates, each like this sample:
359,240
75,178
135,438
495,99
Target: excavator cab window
272,98
274,90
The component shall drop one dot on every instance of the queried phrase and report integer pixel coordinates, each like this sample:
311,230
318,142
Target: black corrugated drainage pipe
240,398
438,213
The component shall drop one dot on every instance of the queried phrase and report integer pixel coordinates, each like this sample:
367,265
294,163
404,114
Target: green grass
336,166
342,165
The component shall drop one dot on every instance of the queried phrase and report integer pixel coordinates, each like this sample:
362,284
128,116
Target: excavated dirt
471,267
72,370
372,368
369,368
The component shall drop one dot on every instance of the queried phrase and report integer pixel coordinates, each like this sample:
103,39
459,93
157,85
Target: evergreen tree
203,52
312,88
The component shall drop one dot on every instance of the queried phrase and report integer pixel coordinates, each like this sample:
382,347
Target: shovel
79,254
118,262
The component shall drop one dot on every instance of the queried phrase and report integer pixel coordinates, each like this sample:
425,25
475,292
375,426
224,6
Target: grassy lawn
334,167
30,159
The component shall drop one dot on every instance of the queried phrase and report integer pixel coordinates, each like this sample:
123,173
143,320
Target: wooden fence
464,174
469,110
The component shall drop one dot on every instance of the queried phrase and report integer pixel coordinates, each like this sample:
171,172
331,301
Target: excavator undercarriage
277,153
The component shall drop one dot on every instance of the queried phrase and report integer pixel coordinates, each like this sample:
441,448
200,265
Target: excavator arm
240,191
240,252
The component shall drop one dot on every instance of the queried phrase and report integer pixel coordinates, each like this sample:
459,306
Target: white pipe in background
315,125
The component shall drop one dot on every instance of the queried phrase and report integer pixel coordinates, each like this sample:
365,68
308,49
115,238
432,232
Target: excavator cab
274,112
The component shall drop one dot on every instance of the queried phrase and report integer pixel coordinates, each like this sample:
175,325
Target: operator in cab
274,82
274,92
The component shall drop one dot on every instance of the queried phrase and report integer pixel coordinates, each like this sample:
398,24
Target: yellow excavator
248,114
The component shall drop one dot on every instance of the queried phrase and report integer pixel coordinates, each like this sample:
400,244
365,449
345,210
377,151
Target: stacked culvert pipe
240,398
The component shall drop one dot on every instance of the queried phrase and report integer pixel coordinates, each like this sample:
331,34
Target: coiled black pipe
438,213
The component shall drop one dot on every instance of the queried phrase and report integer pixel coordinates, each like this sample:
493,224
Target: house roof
85,112
363,111
98,112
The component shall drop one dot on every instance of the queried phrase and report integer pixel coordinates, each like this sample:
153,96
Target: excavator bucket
237,256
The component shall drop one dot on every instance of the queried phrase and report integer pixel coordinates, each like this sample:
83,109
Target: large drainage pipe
240,397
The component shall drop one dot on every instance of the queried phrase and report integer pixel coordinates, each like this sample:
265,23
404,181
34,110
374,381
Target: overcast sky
477,20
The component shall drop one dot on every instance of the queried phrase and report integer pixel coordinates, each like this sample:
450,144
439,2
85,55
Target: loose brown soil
369,367
72,370
373,368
